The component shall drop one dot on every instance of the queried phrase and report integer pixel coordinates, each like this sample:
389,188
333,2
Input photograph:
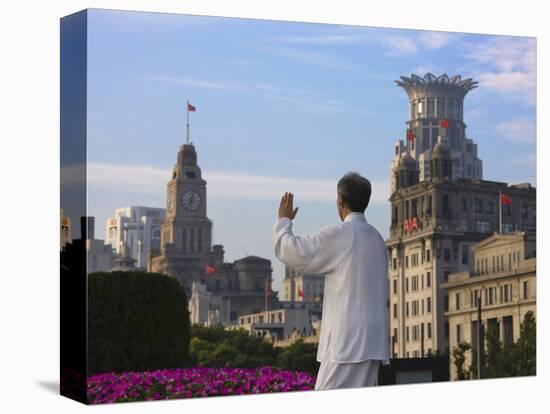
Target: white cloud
193,82
521,130
399,45
221,184
508,67
322,59
436,40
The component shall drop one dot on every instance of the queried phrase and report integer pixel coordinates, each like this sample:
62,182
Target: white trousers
333,375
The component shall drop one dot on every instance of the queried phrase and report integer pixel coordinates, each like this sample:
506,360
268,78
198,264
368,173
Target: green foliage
137,321
215,347
299,356
459,358
498,361
525,352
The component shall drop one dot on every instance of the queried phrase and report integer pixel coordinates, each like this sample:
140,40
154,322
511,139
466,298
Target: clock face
170,200
191,200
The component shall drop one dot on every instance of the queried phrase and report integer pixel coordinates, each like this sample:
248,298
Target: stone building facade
302,287
186,250
436,218
431,100
503,275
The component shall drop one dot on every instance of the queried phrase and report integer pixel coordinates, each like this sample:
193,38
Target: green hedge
136,321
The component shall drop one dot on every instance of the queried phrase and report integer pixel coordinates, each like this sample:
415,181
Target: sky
283,106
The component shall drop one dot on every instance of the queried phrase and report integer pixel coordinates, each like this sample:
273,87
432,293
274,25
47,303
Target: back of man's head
355,191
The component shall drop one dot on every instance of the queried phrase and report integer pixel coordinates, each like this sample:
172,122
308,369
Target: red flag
444,123
300,293
410,135
210,269
505,200
190,107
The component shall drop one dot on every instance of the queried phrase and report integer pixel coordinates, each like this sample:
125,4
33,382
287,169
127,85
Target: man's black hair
355,191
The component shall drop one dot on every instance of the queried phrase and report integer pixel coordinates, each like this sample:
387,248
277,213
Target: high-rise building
432,100
100,256
142,227
436,220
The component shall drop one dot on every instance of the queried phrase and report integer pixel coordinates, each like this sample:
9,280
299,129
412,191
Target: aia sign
410,225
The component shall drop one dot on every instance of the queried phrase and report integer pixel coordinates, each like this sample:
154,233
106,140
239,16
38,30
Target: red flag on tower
410,135
190,107
505,200
444,123
300,293
210,269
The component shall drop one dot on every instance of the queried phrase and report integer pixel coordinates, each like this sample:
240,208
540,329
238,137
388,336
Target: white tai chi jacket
354,259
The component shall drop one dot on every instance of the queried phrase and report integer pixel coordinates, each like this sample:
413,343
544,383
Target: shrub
137,321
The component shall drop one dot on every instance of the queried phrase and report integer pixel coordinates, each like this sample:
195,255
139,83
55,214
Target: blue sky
283,106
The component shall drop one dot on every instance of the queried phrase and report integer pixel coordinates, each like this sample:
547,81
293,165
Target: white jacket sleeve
316,253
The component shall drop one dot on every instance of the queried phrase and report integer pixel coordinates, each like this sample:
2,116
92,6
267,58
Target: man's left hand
286,208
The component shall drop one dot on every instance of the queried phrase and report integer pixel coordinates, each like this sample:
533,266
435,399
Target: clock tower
187,227
186,235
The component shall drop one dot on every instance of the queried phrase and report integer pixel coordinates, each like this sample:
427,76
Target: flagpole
500,212
187,122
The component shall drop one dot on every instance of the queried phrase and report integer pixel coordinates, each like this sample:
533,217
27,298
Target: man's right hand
286,207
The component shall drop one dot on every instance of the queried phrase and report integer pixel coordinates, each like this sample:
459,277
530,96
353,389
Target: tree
525,352
137,321
299,356
459,357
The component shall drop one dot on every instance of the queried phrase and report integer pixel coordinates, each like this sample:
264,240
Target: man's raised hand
286,208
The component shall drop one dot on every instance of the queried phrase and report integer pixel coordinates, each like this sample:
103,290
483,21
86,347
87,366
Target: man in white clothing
353,257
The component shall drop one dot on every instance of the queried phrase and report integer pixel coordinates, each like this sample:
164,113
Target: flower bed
193,382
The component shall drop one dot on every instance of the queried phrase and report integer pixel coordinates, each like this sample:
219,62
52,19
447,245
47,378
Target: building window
414,283
478,205
490,207
457,301
394,286
192,240
464,205
395,310
394,263
506,210
458,334
428,279
407,285
406,261
507,321
407,309
429,330
507,227
184,240
447,254
525,289
428,304
524,211
483,226
199,240
427,255
465,254
407,334
446,303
